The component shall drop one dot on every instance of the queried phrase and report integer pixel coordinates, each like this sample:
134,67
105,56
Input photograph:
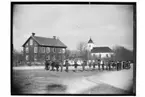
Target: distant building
38,48
98,52
101,52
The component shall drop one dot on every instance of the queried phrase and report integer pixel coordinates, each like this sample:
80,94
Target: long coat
83,65
67,65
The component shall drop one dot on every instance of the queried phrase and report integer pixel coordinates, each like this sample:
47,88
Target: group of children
102,65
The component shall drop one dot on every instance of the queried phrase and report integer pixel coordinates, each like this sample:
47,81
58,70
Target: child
75,65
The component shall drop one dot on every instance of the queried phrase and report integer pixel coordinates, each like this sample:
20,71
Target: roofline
42,44
28,39
102,47
102,52
53,46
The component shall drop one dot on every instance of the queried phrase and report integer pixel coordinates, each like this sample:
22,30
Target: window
63,51
27,50
35,57
53,58
107,55
48,57
63,57
42,50
35,49
31,42
60,50
54,50
94,56
99,55
47,50
27,57
59,57
26,44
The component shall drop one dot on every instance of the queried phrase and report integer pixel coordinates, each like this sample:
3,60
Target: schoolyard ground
36,80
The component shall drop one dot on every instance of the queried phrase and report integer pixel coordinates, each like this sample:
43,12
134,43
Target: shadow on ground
56,88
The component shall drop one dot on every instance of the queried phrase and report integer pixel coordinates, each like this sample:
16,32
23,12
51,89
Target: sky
107,25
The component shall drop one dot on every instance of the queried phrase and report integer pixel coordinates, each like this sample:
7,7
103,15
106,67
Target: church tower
90,45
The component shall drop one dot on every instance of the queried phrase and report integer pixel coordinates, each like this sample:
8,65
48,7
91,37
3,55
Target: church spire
90,41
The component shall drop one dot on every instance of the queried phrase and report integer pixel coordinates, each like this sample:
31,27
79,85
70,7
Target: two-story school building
38,48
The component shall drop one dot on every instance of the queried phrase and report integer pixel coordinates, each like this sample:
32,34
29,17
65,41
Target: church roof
90,41
101,50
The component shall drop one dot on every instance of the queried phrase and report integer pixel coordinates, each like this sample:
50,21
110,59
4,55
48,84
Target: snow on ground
120,79
42,67
78,85
28,67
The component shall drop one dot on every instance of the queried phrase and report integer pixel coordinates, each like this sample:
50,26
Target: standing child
61,65
52,65
67,64
83,65
75,65
46,64
57,65
94,65
90,64
99,62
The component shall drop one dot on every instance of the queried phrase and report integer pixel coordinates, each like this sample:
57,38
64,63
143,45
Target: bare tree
17,57
121,53
81,47
67,53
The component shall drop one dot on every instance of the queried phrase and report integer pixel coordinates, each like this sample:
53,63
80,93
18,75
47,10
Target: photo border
78,3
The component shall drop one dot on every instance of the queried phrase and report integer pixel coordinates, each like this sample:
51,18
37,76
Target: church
98,52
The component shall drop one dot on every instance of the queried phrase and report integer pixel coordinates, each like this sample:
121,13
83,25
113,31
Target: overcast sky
107,25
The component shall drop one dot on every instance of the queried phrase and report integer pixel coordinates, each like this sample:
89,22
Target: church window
99,55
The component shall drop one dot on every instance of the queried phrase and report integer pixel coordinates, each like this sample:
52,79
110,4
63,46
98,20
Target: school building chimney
33,34
54,37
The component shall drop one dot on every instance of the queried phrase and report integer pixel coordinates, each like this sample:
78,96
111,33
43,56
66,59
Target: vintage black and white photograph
83,48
